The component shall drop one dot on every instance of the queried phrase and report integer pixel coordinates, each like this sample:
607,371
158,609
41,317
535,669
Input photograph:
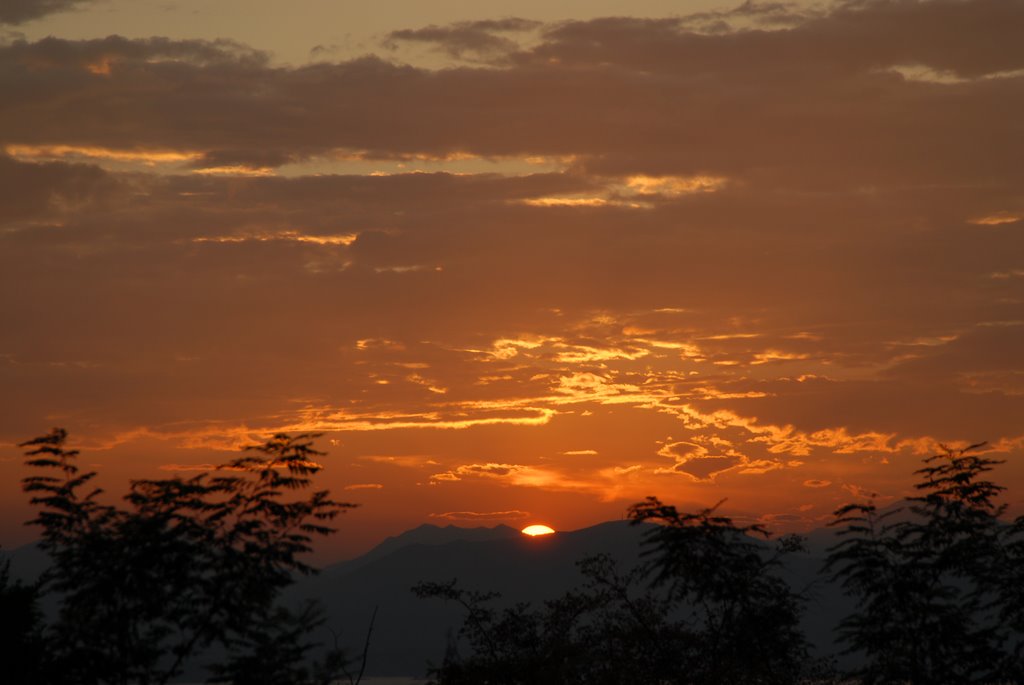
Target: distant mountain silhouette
409,632
427,534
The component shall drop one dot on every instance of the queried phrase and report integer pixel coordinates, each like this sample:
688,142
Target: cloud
787,80
673,185
42,191
759,13
74,152
202,467
287,235
697,462
20,11
490,470
480,40
611,482
364,486
512,515
407,461
188,467
861,492
900,32
328,419
997,219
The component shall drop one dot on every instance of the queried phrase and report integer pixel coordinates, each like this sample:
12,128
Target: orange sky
524,269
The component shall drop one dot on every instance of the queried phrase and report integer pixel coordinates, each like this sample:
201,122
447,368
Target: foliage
277,649
21,645
184,565
705,608
1010,601
931,580
597,634
743,622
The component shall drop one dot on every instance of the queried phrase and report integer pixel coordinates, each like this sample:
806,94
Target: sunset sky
520,262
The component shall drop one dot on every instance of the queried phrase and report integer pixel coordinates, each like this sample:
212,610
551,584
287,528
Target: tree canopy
180,566
936,581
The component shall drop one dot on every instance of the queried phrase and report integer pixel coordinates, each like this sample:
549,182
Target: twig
366,646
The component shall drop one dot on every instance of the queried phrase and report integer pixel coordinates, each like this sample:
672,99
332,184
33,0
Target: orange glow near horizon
537,529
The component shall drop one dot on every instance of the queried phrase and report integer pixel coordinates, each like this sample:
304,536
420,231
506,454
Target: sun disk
536,530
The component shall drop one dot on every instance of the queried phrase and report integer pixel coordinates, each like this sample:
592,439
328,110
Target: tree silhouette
600,633
21,644
183,565
743,623
704,608
930,579
1010,601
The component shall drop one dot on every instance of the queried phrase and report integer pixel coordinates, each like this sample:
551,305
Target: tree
21,646
929,579
705,607
183,565
607,632
743,621
1010,601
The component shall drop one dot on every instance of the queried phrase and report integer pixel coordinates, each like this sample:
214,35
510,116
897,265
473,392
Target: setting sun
534,531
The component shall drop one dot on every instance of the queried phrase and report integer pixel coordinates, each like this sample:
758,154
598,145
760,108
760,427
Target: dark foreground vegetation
183,566
189,568
938,584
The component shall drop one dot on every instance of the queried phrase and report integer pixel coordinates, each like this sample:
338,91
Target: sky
519,262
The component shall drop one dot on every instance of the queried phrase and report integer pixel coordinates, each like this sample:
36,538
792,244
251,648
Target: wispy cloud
512,515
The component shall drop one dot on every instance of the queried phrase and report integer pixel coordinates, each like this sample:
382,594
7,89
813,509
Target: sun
535,530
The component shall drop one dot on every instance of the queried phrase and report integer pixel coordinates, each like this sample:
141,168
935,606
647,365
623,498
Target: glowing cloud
674,185
997,219
511,515
146,156
568,202
234,170
344,239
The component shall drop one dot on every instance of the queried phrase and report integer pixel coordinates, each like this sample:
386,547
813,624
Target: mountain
427,534
410,632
